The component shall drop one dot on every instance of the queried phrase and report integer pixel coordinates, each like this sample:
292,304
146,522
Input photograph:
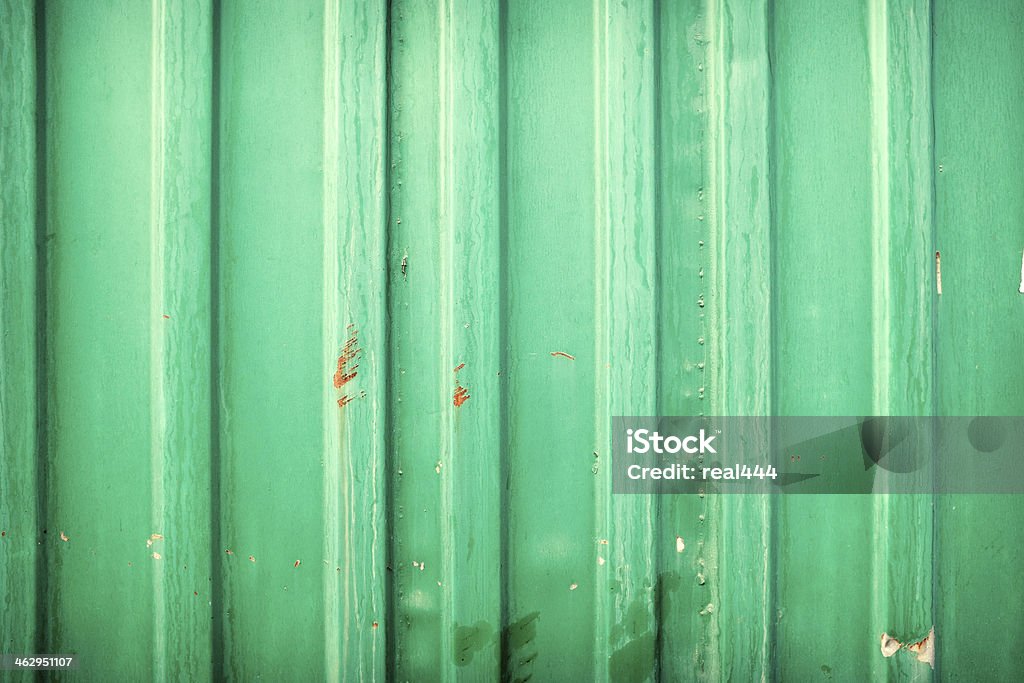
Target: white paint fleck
600,560
1021,290
157,556
889,645
64,537
680,545
573,586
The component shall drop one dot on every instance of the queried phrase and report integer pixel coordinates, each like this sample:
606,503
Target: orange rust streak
461,396
459,367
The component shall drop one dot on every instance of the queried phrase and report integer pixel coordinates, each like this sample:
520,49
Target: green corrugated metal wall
315,315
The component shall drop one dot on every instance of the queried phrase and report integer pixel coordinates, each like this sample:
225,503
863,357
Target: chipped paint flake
938,273
437,467
573,586
459,367
64,537
889,645
1021,289
461,395
680,544
157,556
600,560
297,563
925,648
252,559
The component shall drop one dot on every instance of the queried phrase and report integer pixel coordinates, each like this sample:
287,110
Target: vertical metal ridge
215,557
335,647
179,336
603,601
504,344
742,296
41,395
355,287
157,351
902,195
629,306
447,227
470,460
878,61
22,241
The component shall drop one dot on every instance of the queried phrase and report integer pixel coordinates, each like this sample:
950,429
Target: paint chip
925,648
889,645
680,545
461,395
600,560
229,552
938,273
157,556
563,354
437,467
419,565
297,563
573,586
375,624
252,559
167,317
64,537
1021,289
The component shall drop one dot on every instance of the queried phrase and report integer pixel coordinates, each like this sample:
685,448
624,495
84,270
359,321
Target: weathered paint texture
315,315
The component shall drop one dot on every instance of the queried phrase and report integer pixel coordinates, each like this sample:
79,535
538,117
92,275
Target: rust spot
229,552
563,354
297,563
195,593
346,371
459,367
925,648
3,534
167,317
461,395
375,624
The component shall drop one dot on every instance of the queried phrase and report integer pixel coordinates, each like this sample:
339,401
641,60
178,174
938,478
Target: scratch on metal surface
938,273
563,354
